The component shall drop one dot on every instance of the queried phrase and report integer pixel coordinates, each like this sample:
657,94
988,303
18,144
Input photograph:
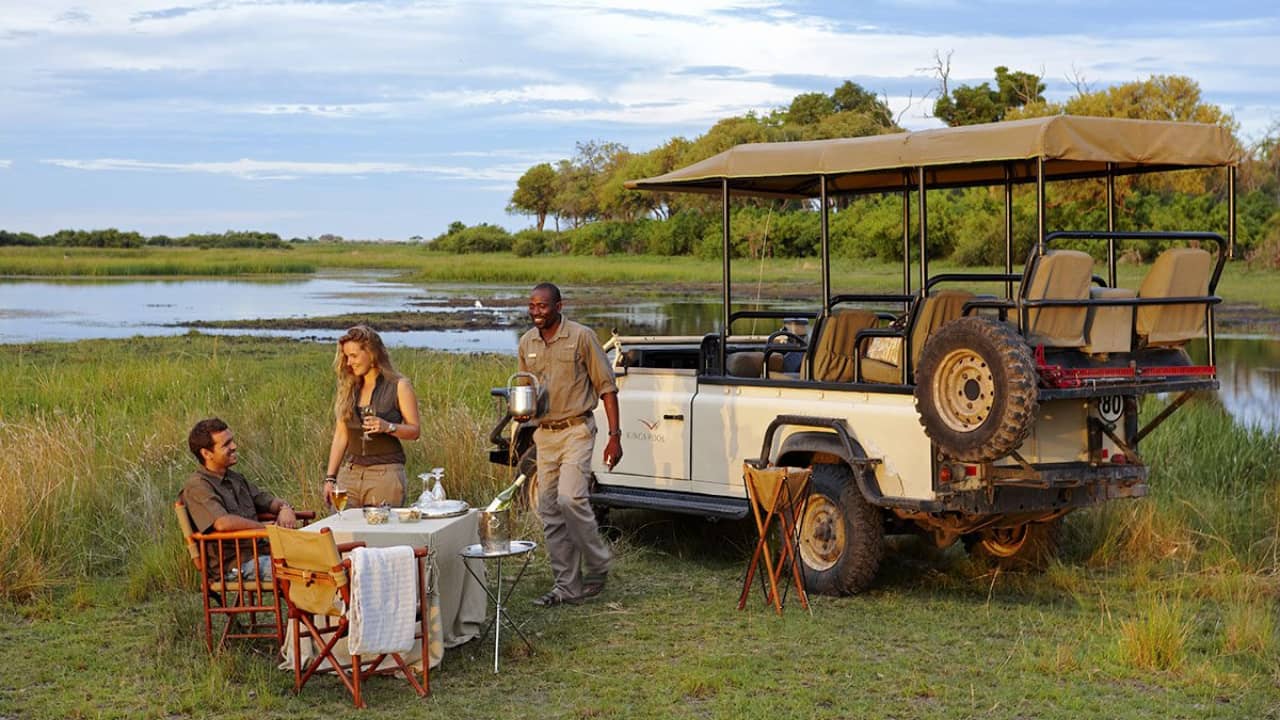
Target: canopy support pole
1231,212
906,233
725,278
1111,223
1008,231
826,249
924,231
1041,220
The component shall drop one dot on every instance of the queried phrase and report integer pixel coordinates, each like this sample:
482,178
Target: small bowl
376,515
408,515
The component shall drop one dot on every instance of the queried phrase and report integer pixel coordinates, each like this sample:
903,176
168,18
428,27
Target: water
68,310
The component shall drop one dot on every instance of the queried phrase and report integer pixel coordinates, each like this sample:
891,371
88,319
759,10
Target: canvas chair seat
833,356
936,310
1177,272
315,582
777,496
1057,275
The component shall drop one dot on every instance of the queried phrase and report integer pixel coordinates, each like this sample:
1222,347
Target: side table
517,548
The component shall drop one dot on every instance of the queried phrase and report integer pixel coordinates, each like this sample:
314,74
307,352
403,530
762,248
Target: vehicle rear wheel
976,389
1029,547
841,534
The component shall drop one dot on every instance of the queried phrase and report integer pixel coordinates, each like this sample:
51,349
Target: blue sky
387,119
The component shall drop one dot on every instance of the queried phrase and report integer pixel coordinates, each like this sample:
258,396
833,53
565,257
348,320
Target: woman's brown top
380,448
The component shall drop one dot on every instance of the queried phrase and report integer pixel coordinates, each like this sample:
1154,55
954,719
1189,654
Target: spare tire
976,389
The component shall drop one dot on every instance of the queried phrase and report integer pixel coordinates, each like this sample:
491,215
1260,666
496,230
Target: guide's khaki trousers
573,540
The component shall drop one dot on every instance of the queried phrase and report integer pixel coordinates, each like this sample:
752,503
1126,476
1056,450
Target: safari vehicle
981,406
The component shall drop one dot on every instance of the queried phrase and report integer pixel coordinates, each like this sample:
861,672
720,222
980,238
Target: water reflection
66,310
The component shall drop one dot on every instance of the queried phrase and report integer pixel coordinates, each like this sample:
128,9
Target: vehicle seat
1177,272
833,355
935,311
1109,329
1057,275
750,363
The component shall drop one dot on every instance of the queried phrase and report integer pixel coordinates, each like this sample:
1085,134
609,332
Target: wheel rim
1004,542
964,388
821,533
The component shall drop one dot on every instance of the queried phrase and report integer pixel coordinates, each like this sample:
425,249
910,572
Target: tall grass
94,453
154,262
799,276
95,442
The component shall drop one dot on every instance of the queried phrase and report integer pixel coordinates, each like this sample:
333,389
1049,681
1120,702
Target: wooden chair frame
233,598
781,493
325,637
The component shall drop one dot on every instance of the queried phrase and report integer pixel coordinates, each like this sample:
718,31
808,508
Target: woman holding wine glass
375,408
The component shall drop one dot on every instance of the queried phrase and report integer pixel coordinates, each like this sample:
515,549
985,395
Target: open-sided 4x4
973,406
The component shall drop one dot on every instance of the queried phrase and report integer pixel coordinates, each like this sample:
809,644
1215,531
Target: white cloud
291,170
5,164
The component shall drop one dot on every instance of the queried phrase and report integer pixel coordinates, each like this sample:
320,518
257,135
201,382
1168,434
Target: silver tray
517,546
444,509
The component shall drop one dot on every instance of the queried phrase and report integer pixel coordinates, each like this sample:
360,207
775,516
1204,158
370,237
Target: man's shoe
551,599
592,586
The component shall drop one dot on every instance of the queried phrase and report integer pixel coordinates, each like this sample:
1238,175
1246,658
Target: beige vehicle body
974,406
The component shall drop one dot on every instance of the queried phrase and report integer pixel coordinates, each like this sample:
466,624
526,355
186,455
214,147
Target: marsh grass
1160,607
1240,283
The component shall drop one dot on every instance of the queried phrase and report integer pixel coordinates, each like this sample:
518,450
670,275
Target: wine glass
365,413
339,498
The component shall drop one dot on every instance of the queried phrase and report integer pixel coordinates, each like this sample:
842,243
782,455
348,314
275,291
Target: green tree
852,98
974,104
810,108
535,193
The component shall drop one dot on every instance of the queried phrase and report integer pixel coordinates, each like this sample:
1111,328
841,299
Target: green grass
162,262
1162,607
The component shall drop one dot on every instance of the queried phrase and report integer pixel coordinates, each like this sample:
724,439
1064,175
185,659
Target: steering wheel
774,343
791,338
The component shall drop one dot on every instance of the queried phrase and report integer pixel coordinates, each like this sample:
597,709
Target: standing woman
375,408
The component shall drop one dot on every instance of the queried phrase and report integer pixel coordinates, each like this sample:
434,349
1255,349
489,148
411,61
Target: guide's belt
562,424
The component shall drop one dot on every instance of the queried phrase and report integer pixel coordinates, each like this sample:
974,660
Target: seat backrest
936,310
1057,275
833,356
1177,272
310,563
188,531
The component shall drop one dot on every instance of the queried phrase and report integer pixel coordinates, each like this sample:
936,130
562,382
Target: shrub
482,238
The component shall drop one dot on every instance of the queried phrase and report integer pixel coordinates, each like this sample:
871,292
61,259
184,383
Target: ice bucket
495,531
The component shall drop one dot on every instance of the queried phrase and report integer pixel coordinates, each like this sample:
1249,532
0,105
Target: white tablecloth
460,599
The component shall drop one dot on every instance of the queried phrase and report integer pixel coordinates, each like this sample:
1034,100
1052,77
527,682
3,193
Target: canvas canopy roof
1071,146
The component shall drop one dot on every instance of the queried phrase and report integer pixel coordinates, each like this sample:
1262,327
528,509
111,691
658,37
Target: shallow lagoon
69,310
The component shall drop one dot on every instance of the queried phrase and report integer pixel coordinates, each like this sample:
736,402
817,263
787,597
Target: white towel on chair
383,600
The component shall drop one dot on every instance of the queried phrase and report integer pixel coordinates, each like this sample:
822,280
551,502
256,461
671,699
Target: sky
388,119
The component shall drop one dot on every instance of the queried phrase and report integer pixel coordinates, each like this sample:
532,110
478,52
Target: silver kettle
522,400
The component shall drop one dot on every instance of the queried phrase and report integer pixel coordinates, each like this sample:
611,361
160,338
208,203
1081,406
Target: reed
95,439
153,262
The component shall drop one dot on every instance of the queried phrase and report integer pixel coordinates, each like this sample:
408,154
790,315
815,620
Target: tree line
113,238
584,199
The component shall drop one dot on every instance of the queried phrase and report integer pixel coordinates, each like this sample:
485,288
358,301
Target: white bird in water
479,304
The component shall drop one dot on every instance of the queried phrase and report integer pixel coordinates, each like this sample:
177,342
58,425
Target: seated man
220,499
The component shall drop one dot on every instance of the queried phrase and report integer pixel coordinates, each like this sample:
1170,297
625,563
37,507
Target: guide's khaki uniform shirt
572,370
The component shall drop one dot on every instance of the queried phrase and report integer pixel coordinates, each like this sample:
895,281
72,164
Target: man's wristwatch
615,433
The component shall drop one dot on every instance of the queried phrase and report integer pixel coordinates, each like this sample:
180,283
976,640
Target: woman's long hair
349,384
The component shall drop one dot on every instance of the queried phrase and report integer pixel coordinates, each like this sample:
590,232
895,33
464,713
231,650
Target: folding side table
517,548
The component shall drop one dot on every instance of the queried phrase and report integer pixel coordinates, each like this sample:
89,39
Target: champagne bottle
504,498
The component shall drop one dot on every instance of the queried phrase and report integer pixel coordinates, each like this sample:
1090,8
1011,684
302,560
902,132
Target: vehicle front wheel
841,534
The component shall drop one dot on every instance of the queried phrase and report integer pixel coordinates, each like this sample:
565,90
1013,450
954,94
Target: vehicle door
654,414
